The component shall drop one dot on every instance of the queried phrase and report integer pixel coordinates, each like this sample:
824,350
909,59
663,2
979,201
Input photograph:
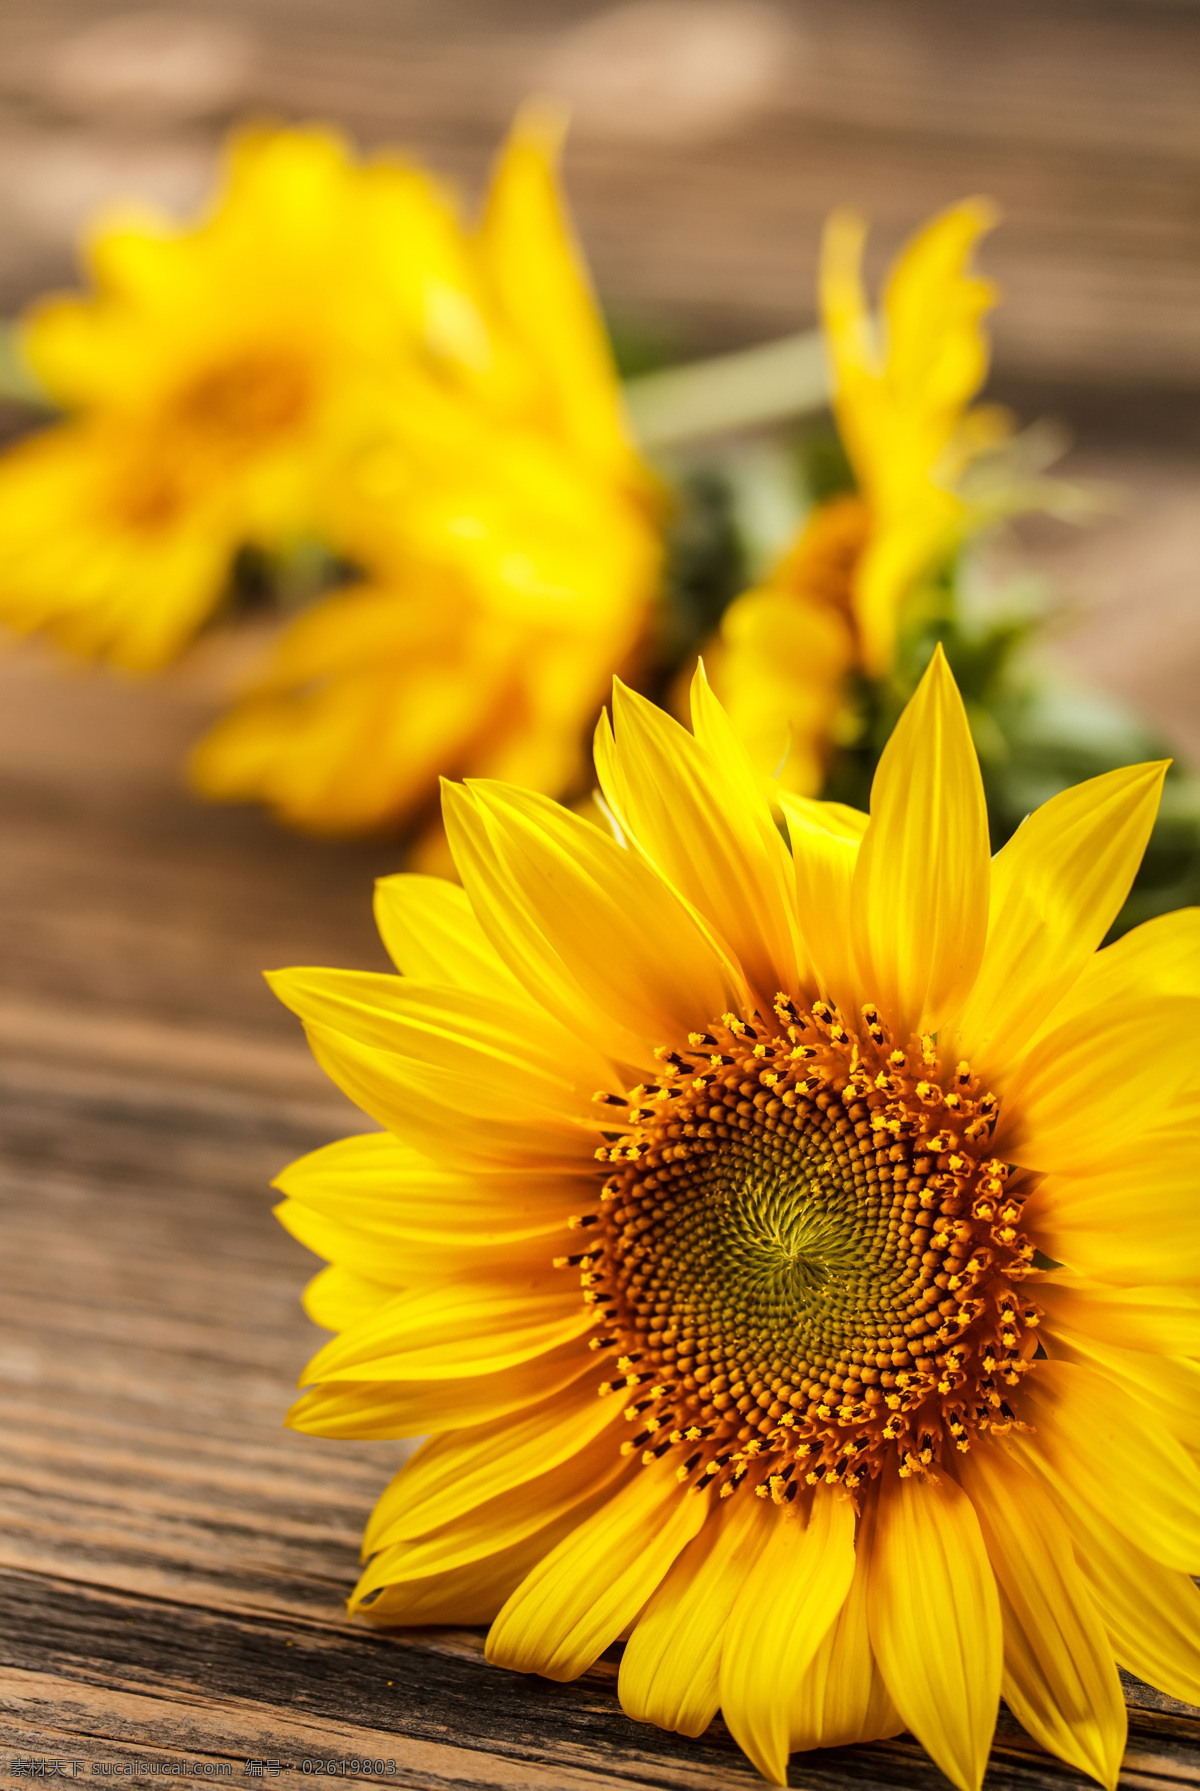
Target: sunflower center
246,402
807,1254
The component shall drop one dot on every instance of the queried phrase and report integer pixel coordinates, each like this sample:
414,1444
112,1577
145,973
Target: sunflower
902,382
514,545
373,692
792,1252
216,384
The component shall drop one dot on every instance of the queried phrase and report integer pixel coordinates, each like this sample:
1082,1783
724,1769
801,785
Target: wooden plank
153,1678
1078,116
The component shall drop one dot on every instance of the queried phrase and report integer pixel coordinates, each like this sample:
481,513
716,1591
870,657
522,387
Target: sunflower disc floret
812,1260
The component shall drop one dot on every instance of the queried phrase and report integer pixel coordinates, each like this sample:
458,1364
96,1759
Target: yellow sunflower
792,1252
902,382
513,538
216,382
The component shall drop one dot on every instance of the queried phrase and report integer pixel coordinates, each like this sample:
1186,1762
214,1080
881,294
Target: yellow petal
403,1259
788,1603
488,1040
1056,889
542,283
835,818
377,1206
451,1330
1166,1387
784,651
386,1189
919,899
511,924
934,1616
596,921
382,1409
717,736
1095,1445
431,934
465,1595
842,1698
362,701
1162,1319
1151,1612
1161,957
461,1469
1134,1218
481,1114
1060,1680
933,307
825,840
471,1593
1092,1084
107,586
670,1671
573,1488
339,1296
702,819
581,1596
901,384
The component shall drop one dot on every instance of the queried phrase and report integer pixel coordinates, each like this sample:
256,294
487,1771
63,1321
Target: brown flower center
246,402
221,420
807,1258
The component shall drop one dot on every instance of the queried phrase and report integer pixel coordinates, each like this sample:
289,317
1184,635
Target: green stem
752,387
18,381
726,393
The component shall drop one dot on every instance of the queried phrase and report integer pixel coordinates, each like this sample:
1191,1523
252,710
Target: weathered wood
1078,116
164,1676
101,1676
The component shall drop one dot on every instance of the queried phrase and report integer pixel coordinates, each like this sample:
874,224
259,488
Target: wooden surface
172,1562
700,204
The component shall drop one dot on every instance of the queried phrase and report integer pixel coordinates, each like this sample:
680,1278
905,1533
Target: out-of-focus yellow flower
377,690
216,381
511,532
901,387
787,646
902,382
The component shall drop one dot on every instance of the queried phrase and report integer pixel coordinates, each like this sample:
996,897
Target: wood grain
100,1676
1077,116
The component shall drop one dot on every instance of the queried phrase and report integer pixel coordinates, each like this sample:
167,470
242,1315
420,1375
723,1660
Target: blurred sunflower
746,1357
514,546
215,383
902,383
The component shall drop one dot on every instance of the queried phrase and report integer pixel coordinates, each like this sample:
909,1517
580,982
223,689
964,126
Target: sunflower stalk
752,388
19,384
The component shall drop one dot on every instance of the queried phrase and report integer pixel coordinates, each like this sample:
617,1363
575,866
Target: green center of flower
807,1254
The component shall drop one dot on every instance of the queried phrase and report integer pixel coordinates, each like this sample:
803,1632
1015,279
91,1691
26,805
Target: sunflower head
513,538
902,381
218,379
786,1245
